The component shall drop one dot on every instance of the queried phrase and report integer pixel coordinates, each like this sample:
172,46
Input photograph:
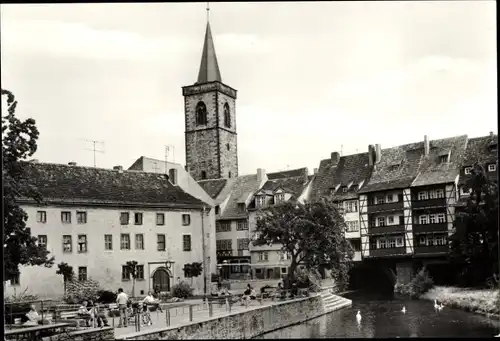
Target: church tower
210,117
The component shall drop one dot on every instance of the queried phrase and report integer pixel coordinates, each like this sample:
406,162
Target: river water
382,317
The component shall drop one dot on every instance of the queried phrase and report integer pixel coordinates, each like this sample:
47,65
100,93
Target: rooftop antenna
94,149
208,11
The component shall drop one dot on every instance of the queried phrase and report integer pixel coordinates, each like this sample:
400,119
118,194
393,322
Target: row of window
388,243
125,244
260,200
351,206
81,218
431,194
387,198
225,226
352,226
432,240
436,218
389,220
491,168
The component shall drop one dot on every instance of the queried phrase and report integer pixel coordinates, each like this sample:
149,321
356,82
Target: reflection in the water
384,317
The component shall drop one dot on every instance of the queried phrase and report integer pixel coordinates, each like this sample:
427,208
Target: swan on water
403,310
358,316
436,306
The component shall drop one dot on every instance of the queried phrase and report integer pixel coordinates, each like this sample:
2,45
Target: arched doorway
161,278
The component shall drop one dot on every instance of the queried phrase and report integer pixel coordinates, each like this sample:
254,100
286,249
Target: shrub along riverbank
485,301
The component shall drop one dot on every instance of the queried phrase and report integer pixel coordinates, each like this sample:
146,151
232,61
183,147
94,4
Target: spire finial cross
208,11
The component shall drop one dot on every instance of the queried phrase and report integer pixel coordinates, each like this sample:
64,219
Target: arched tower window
227,116
201,114
203,175
172,175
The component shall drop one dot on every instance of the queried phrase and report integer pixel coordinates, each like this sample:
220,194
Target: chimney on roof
335,157
118,168
378,153
426,145
72,163
371,155
261,173
491,134
315,171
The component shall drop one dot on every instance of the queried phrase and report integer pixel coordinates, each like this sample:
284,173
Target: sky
312,78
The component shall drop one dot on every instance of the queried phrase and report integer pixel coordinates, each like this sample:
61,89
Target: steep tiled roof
400,166
288,174
213,187
293,185
478,150
407,157
350,168
243,187
77,184
431,171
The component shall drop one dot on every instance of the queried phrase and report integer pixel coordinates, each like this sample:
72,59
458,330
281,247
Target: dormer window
443,159
279,198
493,147
492,167
261,201
241,207
467,170
344,189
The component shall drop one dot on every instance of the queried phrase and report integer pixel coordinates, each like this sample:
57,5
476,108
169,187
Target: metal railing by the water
15,312
184,313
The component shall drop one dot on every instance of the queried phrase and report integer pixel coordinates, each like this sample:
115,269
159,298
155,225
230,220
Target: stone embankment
251,322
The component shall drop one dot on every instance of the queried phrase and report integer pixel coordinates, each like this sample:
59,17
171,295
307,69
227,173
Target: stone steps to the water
333,302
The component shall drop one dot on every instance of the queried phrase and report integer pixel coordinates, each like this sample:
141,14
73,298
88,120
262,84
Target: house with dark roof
408,197
339,178
483,151
269,261
98,219
433,195
232,197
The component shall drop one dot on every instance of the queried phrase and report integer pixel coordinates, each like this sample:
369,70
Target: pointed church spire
209,68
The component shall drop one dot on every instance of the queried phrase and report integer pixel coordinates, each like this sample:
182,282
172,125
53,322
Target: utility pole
341,149
94,149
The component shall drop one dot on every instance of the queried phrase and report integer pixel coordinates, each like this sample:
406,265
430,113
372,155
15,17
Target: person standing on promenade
122,300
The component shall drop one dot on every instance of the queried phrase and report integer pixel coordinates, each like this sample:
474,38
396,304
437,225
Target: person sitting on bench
99,315
84,313
248,294
150,300
32,316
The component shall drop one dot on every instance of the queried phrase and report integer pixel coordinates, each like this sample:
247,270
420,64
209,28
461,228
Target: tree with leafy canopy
474,243
19,141
132,271
192,270
67,272
312,234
